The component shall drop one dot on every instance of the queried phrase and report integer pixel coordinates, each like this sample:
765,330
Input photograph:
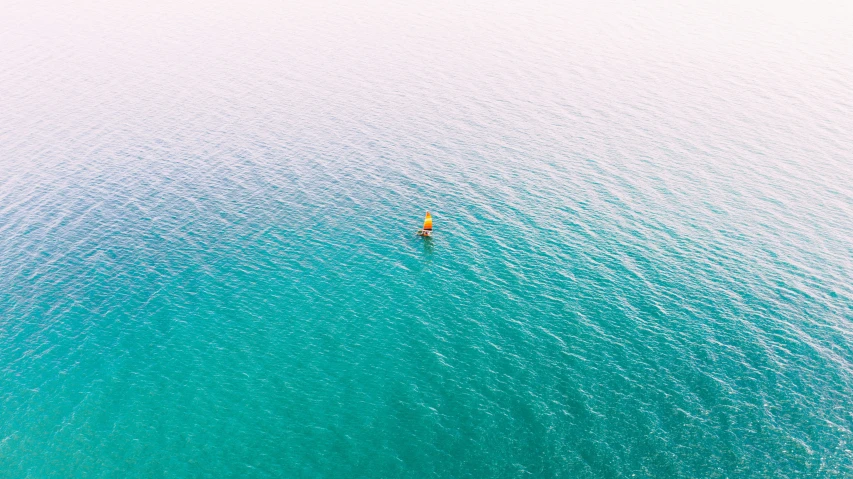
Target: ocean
642,263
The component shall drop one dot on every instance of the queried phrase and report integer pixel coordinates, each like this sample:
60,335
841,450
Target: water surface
642,263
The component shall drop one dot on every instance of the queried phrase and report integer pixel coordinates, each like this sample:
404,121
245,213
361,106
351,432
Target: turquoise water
642,264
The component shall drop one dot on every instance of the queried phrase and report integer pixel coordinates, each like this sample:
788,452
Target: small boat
427,229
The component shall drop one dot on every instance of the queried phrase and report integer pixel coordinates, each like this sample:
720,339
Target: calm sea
642,264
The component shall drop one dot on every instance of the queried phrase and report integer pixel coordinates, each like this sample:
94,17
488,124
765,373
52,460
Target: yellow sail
428,222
